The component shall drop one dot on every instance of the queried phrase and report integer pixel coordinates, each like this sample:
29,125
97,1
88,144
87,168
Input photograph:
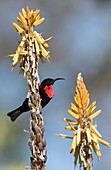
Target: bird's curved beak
57,80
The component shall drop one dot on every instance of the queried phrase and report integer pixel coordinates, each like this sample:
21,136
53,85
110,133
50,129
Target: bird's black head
50,81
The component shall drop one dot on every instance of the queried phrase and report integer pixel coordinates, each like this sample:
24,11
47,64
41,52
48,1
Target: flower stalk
86,136
31,49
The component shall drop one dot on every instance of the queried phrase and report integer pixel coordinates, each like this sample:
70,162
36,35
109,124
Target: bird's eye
51,83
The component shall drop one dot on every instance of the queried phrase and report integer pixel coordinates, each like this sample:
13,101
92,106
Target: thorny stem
85,147
36,142
86,155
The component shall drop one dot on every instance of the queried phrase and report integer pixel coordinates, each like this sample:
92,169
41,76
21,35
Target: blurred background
81,43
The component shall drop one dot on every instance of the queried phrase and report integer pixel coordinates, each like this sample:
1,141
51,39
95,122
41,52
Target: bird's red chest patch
49,91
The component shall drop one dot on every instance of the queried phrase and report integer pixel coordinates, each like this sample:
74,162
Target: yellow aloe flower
86,136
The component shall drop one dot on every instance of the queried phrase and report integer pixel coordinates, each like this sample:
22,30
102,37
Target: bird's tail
14,114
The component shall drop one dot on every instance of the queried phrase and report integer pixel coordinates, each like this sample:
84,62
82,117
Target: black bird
46,93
